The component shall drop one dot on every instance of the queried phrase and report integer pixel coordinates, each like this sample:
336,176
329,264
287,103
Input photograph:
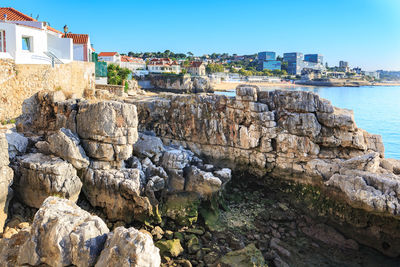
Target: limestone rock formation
129,247
66,145
119,193
38,176
6,178
185,84
62,234
148,146
204,183
17,144
290,135
107,129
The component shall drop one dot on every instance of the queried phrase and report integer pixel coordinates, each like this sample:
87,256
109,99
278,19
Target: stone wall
19,82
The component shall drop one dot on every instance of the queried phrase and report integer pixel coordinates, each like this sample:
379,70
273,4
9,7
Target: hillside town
29,41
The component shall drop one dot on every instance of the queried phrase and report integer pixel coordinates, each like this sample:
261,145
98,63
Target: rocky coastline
195,180
180,84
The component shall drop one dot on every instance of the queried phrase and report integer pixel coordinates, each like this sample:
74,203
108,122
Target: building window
2,41
26,43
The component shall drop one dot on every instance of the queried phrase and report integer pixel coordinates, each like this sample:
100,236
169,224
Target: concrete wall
60,47
21,81
78,52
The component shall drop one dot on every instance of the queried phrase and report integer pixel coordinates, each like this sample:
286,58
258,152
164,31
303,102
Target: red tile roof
107,54
77,38
15,15
132,59
195,64
162,62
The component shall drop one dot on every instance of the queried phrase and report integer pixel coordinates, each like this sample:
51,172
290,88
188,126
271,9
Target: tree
284,66
213,68
117,75
167,53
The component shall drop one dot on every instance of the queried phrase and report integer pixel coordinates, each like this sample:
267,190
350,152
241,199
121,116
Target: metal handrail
54,58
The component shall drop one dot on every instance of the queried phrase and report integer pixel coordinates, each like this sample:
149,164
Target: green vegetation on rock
182,208
170,247
249,256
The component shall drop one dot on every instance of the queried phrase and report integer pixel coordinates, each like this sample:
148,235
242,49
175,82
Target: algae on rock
171,247
249,256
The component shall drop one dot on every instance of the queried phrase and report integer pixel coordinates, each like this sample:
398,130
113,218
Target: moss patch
250,256
169,247
182,208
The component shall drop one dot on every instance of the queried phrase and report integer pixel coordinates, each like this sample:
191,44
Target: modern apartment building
272,65
315,58
343,64
267,61
263,56
297,62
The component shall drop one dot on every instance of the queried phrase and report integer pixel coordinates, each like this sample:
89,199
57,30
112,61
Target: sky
366,33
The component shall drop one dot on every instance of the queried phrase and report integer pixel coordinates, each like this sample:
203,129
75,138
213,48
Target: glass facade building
295,62
262,56
316,58
272,65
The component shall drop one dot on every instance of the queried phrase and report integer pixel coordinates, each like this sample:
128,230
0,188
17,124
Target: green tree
117,75
212,68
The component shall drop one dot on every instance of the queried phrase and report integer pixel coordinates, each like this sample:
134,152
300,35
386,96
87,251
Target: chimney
5,17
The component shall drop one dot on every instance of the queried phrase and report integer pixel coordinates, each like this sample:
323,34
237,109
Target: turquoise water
376,109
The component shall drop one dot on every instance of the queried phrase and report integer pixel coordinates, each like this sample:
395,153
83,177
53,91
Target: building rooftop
131,59
195,64
77,38
14,15
108,54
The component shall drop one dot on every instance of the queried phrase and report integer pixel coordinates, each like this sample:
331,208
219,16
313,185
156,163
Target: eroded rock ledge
291,135
135,176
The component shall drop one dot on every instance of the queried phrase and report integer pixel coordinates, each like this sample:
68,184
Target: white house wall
9,29
79,52
38,46
62,48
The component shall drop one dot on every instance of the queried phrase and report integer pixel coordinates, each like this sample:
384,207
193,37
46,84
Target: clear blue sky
364,32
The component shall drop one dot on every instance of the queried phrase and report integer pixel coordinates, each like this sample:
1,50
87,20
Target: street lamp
65,30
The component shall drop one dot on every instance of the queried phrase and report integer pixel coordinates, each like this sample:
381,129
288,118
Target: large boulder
6,178
17,144
63,234
66,145
108,122
201,182
38,176
108,129
148,146
129,247
119,193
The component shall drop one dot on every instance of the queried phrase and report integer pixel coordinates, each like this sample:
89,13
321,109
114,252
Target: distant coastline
228,86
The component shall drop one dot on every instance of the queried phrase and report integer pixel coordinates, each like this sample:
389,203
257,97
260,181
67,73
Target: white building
197,68
163,65
132,63
29,41
110,57
373,74
82,47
